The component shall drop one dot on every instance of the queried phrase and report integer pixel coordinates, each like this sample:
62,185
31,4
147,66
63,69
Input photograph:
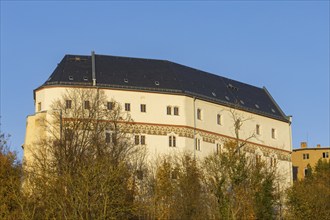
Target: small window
273,133
218,148
305,156
273,162
137,140
143,108
258,158
143,140
39,107
107,137
258,129
172,141
168,110
110,105
197,144
176,110
86,105
199,114
68,104
219,119
325,154
68,134
127,107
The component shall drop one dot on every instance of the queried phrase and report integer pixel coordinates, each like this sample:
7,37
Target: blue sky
283,45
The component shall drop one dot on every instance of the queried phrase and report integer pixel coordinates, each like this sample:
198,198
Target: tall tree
10,181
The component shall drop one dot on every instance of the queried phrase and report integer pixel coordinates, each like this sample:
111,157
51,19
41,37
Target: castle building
175,108
305,156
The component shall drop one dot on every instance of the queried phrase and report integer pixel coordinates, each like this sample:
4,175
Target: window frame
127,107
143,108
176,110
68,104
199,114
168,110
87,105
219,119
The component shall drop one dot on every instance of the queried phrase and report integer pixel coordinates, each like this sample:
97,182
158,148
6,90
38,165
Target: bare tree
85,167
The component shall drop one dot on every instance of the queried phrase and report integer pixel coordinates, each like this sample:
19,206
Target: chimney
303,144
93,69
318,146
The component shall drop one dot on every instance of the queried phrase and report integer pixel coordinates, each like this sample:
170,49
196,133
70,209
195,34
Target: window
218,148
143,108
86,105
176,110
137,140
68,134
199,114
110,105
305,156
198,144
143,140
107,137
169,110
258,158
127,107
219,119
68,104
273,162
258,129
39,107
172,141
325,154
140,139
273,133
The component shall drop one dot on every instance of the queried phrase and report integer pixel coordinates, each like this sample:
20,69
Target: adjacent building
305,156
175,108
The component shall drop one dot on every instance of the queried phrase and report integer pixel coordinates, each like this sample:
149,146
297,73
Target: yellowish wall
314,155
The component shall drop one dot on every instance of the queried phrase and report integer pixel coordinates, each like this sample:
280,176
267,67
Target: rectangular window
143,108
258,129
137,140
68,104
273,133
143,139
86,105
325,154
218,148
39,107
169,110
198,144
127,107
176,110
110,105
305,156
107,137
172,141
199,114
273,162
258,158
219,119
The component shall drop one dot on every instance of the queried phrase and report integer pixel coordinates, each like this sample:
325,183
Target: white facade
159,127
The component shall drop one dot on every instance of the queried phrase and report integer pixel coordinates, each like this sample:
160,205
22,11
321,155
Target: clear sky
283,45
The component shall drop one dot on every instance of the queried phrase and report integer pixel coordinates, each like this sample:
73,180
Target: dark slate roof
165,77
